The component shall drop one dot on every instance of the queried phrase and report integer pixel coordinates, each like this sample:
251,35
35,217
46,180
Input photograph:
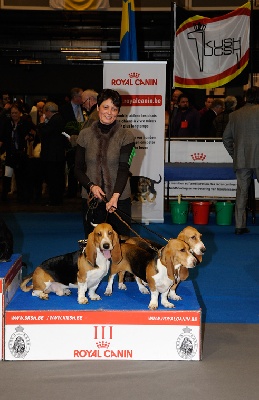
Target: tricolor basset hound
94,261
156,270
83,268
191,237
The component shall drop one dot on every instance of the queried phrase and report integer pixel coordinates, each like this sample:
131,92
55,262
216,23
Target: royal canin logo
134,79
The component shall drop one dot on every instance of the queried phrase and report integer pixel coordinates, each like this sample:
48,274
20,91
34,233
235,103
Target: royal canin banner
210,52
142,86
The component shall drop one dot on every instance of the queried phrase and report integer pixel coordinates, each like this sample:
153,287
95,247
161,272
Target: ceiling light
81,58
27,61
79,50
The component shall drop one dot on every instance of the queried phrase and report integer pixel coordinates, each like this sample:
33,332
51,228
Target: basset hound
94,261
149,267
55,274
83,268
190,236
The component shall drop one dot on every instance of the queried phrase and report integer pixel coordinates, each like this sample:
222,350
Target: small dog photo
143,188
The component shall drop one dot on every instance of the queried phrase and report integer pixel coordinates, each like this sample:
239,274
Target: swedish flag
128,42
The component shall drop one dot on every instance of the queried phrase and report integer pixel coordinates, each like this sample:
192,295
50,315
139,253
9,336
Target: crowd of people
35,153
80,146
76,147
183,120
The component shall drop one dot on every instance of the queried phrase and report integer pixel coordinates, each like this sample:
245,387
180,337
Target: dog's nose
203,250
106,246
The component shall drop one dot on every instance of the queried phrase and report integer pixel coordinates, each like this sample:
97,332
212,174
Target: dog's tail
26,280
160,178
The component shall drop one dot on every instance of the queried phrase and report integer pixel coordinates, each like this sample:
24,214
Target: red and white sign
10,278
102,335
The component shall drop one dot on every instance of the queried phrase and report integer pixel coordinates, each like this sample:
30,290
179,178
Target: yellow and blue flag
128,42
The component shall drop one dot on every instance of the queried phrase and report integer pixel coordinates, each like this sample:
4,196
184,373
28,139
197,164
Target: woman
103,157
17,132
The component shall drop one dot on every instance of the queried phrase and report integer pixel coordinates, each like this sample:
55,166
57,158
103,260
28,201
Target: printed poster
142,86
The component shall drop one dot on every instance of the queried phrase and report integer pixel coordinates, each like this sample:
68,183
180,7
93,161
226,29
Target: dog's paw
153,305
144,290
167,304
108,292
82,300
174,296
95,297
67,292
122,286
40,294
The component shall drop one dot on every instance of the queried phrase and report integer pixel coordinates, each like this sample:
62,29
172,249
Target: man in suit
89,98
241,140
207,129
73,117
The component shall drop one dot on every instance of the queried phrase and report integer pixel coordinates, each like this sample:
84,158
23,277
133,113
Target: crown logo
19,329
199,27
187,330
102,344
198,156
134,74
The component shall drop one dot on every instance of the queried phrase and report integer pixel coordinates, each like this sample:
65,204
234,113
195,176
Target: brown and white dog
84,269
53,275
192,237
189,235
94,261
147,266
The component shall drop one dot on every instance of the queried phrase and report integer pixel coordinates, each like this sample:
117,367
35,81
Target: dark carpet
226,282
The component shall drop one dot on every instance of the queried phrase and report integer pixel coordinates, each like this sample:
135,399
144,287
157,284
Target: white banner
210,52
103,335
205,152
142,86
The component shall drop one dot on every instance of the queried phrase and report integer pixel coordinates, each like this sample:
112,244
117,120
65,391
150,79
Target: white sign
142,86
102,335
190,151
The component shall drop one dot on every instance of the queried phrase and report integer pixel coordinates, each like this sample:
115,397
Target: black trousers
99,215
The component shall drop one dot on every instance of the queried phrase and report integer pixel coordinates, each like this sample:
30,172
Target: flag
210,52
79,5
128,42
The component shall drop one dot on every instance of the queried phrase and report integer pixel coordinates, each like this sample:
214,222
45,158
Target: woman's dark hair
109,94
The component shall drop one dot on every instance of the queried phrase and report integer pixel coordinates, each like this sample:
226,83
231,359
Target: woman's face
15,114
107,112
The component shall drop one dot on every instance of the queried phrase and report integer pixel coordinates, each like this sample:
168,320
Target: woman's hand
97,192
112,205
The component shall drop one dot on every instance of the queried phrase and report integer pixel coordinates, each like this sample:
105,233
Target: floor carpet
226,282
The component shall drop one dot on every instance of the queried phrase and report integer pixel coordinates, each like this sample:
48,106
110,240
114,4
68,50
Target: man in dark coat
53,152
73,117
241,140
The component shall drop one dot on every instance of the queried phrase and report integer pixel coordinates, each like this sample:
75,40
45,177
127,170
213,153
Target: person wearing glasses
89,98
103,157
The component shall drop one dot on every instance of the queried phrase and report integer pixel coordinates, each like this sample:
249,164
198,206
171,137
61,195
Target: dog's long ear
182,236
116,252
184,273
198,258
166,260
90,249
